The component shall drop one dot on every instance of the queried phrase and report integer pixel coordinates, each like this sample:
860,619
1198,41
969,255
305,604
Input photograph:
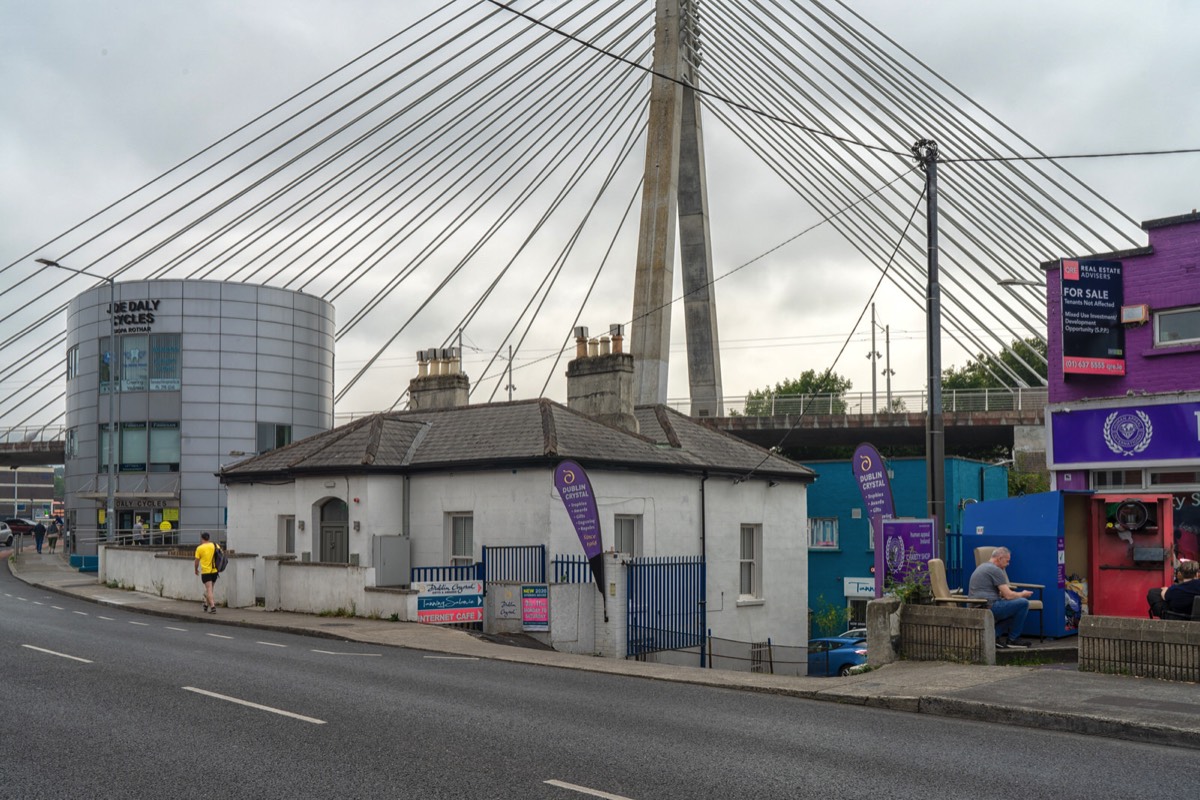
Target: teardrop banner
871,473
576,492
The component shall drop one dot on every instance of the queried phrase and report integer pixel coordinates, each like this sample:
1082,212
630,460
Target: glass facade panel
132,455
135,365
164,447
164,362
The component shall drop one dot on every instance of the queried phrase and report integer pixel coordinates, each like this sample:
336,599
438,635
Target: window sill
824,549
1170,350
744,602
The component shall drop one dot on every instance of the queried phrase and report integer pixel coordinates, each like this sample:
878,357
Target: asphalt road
99,702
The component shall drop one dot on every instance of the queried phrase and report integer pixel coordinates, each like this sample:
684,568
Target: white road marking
58,608
332,653
60,655
587,791
271,644
144,624
219,636
453,658
38,603
248,704
80,613
172,628
110,619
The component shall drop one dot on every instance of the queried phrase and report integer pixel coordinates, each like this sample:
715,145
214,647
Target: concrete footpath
1138,709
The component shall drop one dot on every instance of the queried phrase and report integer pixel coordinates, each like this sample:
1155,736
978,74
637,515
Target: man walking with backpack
206,567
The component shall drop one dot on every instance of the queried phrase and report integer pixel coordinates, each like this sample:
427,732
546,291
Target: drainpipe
704,556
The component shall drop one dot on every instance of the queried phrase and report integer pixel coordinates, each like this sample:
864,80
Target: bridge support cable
973,220
578,135
531,135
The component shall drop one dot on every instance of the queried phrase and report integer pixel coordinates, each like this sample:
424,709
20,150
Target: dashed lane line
218,636
143,624
585,790
335,653
173,628
258,706
54,653
271,644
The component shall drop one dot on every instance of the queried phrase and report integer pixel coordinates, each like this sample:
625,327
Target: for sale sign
1093,339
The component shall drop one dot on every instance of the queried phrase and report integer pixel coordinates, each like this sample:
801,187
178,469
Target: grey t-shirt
985,582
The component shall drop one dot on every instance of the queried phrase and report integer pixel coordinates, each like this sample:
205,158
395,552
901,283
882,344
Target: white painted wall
521,507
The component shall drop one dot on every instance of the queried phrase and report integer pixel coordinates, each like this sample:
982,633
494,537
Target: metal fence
571,569
902,402
456,572
514,564
666,604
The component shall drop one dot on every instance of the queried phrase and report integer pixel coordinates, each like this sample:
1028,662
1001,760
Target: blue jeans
1010,617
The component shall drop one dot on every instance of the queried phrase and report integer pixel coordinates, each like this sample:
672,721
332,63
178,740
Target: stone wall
1146,648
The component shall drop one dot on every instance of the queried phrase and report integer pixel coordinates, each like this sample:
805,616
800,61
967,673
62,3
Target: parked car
6,535
20,525
835,655
854,633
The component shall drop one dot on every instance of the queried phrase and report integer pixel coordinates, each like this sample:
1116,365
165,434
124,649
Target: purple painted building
1124,371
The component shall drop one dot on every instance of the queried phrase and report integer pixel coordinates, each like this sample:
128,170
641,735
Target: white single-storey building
449,478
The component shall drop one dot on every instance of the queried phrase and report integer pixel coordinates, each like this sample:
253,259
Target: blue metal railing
666,604
571,569
514,564
457,572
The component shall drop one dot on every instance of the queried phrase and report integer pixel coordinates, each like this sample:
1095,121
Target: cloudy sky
102,95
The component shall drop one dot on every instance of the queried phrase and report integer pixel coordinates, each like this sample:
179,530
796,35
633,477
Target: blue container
1031,527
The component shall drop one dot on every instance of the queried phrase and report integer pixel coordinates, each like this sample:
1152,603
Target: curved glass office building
206,373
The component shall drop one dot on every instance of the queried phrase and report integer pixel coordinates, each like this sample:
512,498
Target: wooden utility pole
675,192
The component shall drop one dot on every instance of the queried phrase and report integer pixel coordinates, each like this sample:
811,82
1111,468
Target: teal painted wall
835,494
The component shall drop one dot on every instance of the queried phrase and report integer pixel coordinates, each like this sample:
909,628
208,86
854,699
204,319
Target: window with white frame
627,534
1177,326
460,530
287,535
750,562
823,533
1117,479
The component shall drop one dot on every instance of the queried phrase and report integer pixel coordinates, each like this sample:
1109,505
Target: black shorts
209,577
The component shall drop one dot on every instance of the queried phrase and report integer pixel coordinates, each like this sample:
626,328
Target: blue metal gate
666,604
514,564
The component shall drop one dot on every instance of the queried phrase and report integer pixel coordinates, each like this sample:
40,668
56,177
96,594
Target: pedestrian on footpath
55,527
1009,608
206,567
39,535
139,531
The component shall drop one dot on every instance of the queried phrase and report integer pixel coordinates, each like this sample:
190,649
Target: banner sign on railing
576,492
449,602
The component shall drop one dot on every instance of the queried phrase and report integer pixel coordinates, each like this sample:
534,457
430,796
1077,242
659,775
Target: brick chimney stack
600,379
440,381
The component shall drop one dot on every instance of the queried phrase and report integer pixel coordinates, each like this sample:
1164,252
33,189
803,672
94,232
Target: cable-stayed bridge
477,177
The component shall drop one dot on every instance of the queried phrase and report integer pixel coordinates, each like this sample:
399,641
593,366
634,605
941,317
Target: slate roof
509,434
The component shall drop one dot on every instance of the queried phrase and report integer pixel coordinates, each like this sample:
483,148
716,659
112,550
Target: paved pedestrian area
1062,699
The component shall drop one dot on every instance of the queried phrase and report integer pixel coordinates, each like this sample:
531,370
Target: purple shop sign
1127,435
908,544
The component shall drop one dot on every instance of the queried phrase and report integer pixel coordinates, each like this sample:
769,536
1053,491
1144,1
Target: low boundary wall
1145,648
898,630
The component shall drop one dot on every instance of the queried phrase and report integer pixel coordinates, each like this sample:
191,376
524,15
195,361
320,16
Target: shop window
823,533
135,363
1178,326
164,447
1117,479
131,457
1175,477
164,362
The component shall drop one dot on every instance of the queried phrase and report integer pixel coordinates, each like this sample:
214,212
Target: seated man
1178,599
1009,607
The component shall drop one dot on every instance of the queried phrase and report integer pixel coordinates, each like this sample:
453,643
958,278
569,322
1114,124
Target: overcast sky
101,95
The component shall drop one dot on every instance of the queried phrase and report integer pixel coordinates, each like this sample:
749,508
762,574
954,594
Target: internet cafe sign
1093,340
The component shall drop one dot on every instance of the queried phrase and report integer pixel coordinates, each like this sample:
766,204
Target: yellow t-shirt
205,553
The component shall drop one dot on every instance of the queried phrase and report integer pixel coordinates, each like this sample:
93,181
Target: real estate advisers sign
1093,341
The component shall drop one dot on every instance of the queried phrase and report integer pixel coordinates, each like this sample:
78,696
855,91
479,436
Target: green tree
984,371
811,393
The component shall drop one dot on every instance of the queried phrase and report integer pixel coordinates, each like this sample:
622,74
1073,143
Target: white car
6,535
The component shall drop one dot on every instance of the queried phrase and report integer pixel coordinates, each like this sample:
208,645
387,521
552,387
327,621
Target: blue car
836,655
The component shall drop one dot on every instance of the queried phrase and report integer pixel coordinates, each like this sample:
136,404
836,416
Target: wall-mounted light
300,524
330,484
357,525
